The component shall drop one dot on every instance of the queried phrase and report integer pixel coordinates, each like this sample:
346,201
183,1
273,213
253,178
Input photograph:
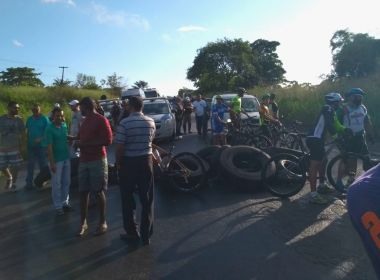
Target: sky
157,40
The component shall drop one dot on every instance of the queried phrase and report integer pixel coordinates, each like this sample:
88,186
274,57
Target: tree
20,76
185,92
59,83
86,82
114,81
228,64
354,55
140,84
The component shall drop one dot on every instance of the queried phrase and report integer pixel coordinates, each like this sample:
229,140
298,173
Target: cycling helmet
265,96
333,97
187,99
57,105
355,91
241,90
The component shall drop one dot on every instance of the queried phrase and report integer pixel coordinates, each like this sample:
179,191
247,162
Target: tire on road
243,162
207,154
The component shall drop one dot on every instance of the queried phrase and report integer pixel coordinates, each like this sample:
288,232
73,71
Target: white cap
74,102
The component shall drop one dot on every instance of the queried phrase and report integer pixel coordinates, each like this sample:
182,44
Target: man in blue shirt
35,126
363,204
217,123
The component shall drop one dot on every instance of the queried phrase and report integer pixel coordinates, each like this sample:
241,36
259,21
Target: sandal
83,230
101,229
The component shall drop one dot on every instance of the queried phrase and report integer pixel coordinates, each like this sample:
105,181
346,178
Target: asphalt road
218,233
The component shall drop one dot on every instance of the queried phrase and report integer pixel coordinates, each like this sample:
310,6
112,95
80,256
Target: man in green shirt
236,107
59,161
35,126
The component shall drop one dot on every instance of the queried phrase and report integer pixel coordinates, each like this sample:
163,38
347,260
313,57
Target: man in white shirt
76,121
200,107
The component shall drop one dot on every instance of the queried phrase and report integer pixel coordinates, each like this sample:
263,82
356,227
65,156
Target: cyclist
327,122
354,115
235,109
364,209
273,106
217,123
266,117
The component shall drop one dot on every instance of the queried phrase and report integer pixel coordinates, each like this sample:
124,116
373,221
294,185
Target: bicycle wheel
186,172
260,142
283,175
343,170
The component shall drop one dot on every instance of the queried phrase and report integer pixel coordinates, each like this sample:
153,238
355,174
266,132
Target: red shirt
94,134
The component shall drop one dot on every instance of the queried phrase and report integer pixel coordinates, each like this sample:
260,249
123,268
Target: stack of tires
240,166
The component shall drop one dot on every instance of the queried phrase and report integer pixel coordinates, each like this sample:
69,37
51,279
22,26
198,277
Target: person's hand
53,167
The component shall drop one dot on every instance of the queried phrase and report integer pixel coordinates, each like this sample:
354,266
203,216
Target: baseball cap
74,102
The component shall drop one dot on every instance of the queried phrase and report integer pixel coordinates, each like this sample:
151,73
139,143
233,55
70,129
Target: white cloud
305,39
191,28
118,18
17,43
69,2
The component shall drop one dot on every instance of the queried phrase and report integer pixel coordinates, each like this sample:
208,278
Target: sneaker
324,189
316,198
59,212
67,208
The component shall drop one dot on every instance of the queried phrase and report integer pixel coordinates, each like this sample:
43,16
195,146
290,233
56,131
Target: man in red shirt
94,134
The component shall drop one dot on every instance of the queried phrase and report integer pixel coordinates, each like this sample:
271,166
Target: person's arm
119,140
328,114
53,167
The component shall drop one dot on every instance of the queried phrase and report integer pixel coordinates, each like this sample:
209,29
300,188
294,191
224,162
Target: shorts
357,144
93,176
316,147
10,159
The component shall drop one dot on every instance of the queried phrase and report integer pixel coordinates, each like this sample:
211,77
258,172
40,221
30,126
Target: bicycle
285,174
249,133
184,171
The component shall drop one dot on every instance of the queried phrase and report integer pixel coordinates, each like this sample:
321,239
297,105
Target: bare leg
102,207
14,172
83,208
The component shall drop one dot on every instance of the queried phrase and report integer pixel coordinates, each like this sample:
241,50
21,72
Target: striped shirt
136,133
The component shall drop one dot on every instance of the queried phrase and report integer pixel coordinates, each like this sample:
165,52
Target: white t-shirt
75,123
200,107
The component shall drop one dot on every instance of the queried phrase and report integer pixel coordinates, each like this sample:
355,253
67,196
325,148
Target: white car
249,103
160,111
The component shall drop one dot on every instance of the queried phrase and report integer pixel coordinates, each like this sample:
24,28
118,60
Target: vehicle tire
283,175
197,177
243,162
208,155
341,162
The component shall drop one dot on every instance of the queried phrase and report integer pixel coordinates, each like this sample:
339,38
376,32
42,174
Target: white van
132,92
249,103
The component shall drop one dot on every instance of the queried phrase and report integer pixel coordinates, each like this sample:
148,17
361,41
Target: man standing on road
76,120
59,161
200,107
35,127
187,111
133,140
94,134
178,107
12,130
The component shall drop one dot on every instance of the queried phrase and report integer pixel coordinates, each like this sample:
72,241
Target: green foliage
228,64
20,76
59,83
140,84
354,55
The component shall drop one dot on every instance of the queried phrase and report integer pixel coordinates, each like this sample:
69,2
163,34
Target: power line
63,72
24,62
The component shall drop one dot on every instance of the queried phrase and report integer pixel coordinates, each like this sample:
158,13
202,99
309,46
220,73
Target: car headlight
166,119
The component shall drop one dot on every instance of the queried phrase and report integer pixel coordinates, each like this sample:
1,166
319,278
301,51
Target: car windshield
247,103
152,108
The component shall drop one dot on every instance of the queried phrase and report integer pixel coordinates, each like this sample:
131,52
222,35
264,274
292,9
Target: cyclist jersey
236,104
355,118
326,121
363,204
218,112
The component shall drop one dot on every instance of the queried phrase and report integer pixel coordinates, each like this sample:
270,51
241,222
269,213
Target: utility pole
63,72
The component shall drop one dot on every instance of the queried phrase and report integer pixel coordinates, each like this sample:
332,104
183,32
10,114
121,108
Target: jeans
60,184
202,123
136,173
35,154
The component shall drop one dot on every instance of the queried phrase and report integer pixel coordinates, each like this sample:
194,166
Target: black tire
208,155
340,161
194,164
283,175
243,162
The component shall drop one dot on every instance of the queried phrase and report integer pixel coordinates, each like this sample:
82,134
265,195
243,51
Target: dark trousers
136,173
186,122
178,124
201,124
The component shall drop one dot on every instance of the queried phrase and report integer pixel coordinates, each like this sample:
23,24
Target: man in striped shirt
133,140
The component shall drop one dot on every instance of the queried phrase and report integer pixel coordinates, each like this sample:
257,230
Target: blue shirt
218,111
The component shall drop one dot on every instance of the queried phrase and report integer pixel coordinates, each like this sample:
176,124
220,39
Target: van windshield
155,108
